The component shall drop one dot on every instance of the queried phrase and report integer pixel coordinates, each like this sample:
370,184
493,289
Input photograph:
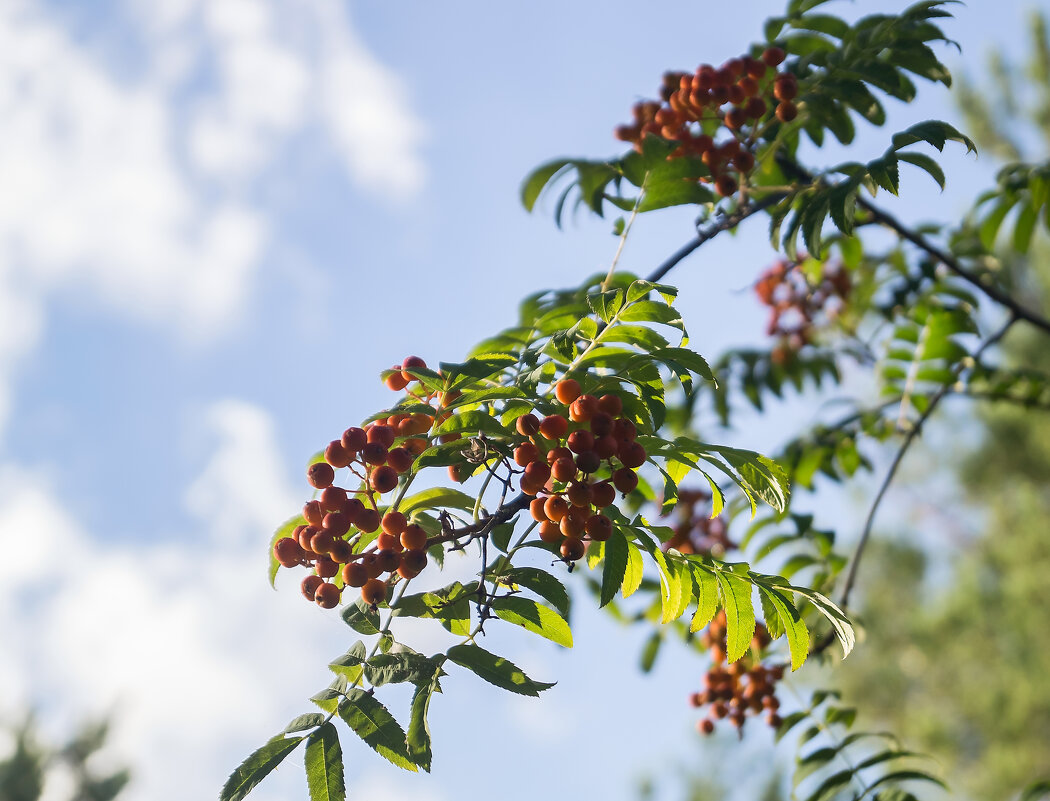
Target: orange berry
530,486
411,363
787,111
567,390
571,526
287,552
341,551
598,527
374,591
412,563
383,478
564,469
336,523
354,575
580,441
336,455
325,567
725,186
327,596
414,537
573,549
320,475
537,472
527,424
525,453
583,408
309,586
550,532
400,459
388,542
388,561
535,509
625,480
333,499
611,404
395,381
555,508
603,494
561,452
554,426
369,520
354,439
313,512
773,56
382,433
394,523
579,494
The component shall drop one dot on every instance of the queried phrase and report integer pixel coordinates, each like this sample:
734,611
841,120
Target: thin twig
911,436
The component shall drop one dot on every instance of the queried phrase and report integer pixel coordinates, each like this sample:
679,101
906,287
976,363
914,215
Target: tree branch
709,232
1016,309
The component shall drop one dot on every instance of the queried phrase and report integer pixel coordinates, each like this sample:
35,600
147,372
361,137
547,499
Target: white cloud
135,188
198,657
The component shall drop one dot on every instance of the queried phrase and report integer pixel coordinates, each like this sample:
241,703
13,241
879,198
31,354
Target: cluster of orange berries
337,519
795,302
560,458
737,690
695,531
693,102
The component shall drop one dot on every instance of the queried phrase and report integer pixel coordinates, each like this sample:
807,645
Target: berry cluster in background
797,298
739,690
741,97
695,531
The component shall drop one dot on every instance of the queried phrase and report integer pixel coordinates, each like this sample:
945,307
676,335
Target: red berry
411,363
625,480
603,494
381,433
333,499
374,453
583,408
573,548
400,459
412,563
374,591
580,441
369,520
327,596
554,426
598,527
567,390
588,461
336,455
287,552
354,439
320,475
528,424
310,585
354,575
414,537
773,56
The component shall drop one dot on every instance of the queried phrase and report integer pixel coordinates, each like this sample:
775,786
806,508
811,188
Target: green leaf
830,785
535,182
534,617
632,577
435,498
311,720
349,664
906,776
324,765
926,163
397,668
256,767
361,618
542,583
614,571
740,614
932,132
650,651
1035,791
417,740
284,530
606,304
373,723
496,670
791,621
651,311
707,597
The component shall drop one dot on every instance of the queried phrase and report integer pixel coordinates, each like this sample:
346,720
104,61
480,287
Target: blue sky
218,223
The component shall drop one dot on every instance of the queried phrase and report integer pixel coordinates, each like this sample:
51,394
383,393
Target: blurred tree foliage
961,670
25,772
